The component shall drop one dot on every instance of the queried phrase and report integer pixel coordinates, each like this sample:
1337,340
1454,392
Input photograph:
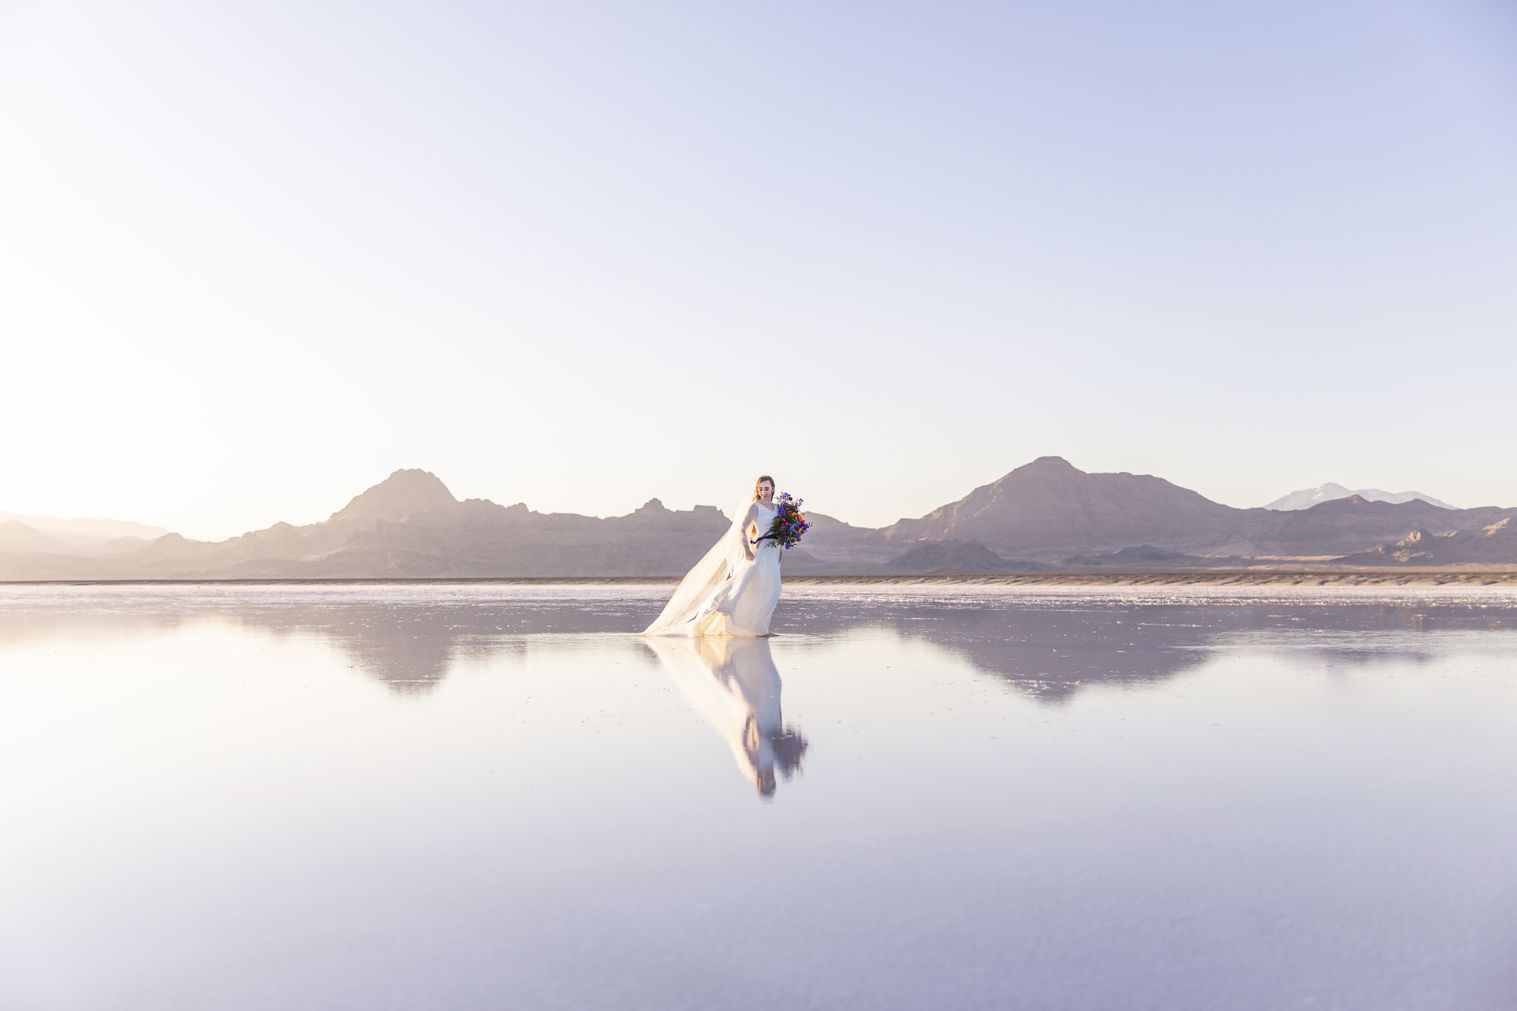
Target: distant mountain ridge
1422,547
17,536
1308,497
1050,508
1046,515
80,535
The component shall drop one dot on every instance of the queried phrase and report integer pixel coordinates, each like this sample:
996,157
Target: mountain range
1045,516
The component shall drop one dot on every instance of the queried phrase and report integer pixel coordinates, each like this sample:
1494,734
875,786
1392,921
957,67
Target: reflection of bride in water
733,684
732,590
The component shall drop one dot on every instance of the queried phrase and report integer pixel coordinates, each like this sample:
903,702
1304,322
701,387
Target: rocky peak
1355,504
1049,465
171,544
404,493
1054,470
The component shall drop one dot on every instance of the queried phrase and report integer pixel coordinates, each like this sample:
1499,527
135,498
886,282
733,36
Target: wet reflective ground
492,796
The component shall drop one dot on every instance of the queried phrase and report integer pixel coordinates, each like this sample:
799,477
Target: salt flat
413,795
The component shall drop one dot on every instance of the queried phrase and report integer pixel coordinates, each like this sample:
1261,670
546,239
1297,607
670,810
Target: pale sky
255,257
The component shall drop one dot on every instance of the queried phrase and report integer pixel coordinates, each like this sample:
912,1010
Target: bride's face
765,491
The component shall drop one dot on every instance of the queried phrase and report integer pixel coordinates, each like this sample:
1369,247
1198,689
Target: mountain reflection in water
434,795
410,636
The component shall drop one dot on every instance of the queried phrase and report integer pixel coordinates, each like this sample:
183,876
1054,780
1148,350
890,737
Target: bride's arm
747,522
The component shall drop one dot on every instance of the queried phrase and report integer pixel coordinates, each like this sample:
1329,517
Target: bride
732,590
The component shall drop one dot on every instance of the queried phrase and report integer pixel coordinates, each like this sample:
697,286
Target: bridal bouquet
789,522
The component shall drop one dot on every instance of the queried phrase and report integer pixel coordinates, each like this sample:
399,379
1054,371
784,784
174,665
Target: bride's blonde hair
761,479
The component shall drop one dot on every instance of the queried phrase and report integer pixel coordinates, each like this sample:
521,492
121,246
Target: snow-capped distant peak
1308,497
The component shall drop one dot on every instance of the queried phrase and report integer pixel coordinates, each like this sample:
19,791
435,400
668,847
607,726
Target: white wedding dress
725,594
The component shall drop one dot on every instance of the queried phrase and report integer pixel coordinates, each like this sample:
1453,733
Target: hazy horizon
724,506
258,259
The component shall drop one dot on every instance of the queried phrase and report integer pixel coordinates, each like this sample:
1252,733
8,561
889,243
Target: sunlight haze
255,259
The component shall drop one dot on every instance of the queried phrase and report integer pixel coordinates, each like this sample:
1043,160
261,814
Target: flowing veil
715,567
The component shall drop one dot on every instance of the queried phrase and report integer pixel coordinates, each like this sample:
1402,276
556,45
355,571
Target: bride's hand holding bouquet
788,525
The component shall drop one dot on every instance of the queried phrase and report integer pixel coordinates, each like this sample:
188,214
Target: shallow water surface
489,795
